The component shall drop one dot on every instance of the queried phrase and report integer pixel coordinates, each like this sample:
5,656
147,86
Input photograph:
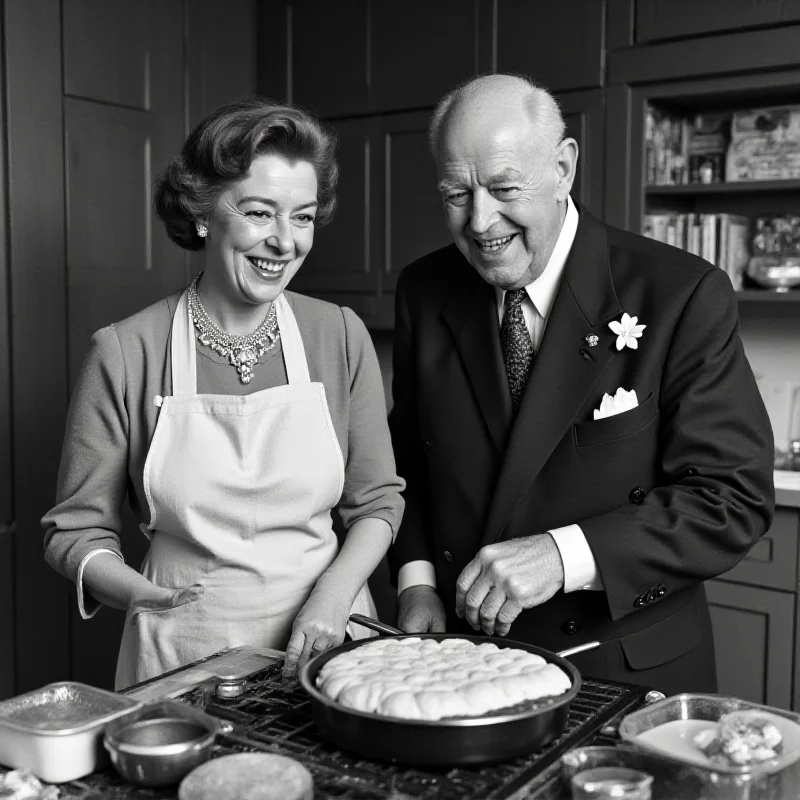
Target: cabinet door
754,642
121,125
420,50
531,40
583,115
328,55
673,19
340,266
414,220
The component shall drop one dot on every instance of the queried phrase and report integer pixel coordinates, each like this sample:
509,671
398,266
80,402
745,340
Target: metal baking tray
55,731
678,777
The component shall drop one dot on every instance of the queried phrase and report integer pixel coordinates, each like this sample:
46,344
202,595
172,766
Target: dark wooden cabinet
414,222
328,55
341,266
361,57
558,44
420,50
754,642
675,19
584,115
753,615
389,214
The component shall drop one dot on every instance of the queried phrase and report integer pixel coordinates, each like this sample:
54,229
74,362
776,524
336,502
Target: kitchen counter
787,488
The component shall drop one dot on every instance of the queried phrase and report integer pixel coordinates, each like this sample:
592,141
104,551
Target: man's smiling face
503,193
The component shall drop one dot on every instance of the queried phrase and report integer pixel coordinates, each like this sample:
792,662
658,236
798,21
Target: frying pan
493,737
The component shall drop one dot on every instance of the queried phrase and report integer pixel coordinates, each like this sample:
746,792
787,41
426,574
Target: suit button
661,590
570,626
637,495
639,601
691,472
650,596
448,556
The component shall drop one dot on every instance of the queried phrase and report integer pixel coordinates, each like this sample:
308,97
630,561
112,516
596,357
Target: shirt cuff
87,605
416,573
580,568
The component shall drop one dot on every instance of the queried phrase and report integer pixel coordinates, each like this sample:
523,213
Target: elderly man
580,431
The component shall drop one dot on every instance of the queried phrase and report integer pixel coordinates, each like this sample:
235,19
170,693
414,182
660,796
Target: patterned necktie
517,345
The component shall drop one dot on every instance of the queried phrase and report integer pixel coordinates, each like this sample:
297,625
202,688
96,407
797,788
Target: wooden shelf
738,187
768,296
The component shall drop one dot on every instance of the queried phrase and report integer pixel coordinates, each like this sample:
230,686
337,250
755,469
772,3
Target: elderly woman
235,415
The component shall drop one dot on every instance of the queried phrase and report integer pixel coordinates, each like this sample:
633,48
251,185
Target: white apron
240,490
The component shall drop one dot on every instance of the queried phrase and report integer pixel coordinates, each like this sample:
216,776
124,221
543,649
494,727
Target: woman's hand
158,598
319,626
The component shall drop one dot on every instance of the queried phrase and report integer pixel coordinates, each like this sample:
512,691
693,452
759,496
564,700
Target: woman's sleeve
371,486
92,477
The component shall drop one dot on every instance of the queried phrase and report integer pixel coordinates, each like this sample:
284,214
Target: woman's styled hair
220,151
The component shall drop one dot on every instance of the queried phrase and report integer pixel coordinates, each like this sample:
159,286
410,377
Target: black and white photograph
400,399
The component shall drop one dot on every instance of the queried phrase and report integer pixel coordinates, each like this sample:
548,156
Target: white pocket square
621,401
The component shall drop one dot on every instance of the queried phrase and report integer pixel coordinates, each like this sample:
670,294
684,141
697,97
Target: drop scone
425,679
248,776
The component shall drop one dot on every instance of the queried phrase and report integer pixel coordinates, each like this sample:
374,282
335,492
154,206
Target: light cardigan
112,417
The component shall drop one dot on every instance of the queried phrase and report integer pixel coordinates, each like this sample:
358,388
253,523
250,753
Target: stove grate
275,716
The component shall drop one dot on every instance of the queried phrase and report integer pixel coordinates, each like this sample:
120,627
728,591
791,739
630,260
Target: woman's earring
202,229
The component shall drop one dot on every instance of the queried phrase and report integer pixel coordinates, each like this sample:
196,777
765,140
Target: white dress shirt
580,568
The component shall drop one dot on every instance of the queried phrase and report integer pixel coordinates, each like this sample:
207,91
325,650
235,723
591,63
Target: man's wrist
416,573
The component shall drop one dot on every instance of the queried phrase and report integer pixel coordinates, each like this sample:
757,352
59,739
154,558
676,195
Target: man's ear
566,167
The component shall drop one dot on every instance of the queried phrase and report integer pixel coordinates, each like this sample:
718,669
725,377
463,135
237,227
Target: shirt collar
542,291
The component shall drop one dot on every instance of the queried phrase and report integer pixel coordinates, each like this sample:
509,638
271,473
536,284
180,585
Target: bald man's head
494,97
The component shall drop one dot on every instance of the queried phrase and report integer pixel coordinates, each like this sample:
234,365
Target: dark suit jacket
668,494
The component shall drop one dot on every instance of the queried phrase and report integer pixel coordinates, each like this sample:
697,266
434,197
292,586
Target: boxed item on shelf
765,144
708,142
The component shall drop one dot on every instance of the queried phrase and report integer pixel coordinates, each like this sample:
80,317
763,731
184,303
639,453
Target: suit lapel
565,371
471,316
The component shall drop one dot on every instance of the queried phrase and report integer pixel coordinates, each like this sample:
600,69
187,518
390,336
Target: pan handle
373,624
571,651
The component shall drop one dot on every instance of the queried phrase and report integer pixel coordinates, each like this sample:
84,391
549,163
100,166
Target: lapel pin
592,339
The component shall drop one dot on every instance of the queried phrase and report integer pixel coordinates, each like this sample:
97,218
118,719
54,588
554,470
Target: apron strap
184,355
294,354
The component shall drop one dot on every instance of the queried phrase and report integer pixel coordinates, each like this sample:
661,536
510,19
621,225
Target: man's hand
319,625
505,578
420,610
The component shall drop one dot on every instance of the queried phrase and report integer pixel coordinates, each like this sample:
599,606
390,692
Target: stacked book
722,239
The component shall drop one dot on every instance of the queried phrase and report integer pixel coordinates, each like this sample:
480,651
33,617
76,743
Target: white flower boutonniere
621,401
627,331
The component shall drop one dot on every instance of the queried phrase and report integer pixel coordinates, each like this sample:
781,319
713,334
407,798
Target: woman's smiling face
261,229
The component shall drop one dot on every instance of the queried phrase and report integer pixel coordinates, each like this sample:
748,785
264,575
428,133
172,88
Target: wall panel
106,51
37,260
